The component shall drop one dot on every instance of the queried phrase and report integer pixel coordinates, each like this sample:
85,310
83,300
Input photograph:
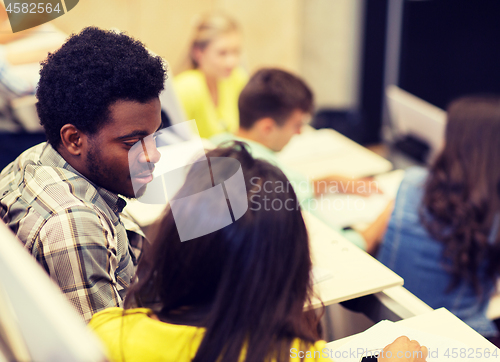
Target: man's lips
145,173
144,177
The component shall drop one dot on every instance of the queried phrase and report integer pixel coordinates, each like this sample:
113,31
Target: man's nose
149,151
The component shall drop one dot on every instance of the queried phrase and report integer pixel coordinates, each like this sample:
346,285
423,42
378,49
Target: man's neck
250,134
72,160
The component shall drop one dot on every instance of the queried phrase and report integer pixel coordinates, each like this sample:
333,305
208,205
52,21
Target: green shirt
302,185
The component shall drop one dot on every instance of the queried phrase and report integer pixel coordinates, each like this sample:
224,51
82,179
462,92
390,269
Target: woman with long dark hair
443,237
235,294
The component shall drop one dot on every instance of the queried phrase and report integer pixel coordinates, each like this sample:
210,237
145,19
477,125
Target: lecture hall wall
318,39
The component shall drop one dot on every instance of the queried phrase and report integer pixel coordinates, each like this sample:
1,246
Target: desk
355,273
325,152
439,322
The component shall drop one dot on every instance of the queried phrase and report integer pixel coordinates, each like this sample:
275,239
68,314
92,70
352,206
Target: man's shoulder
31,155
43,186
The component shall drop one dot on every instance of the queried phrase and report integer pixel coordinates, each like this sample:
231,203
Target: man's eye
130,143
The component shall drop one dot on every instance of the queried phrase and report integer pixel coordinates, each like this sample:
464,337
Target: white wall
331,50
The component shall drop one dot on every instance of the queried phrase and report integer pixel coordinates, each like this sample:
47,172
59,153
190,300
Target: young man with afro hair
97,97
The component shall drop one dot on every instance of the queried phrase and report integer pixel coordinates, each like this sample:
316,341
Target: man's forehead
127,109
126,117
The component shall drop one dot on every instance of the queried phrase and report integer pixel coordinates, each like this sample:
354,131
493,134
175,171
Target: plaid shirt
73,228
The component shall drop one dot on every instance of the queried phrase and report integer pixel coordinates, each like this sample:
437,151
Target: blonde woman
209,90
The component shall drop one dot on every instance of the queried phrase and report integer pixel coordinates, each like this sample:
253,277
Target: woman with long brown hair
235,294
443,237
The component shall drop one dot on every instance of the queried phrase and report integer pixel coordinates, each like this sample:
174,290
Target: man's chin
141,192
132,194
150,193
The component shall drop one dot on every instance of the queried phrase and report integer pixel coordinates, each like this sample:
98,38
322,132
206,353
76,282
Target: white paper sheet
385,332
343,210
319,274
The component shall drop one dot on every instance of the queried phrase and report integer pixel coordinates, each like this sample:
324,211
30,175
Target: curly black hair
92,70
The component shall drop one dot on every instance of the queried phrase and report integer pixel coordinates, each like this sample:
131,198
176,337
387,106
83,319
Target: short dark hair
273,93
92,70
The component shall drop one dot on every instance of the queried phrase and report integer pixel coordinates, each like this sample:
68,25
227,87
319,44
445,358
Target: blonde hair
206,28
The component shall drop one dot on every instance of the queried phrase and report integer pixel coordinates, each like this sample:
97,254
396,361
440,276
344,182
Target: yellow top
192,90
135,336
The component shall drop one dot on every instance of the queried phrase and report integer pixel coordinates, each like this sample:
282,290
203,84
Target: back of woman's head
250,278
208,27
462,193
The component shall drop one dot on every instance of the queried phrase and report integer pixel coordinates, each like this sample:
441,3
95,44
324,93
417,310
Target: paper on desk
343,210
319,274
325,152
312,144
385,332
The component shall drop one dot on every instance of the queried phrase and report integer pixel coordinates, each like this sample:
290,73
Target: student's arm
341,184
80,254
374,233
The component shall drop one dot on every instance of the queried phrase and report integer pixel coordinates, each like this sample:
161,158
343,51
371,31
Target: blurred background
348,51
312,38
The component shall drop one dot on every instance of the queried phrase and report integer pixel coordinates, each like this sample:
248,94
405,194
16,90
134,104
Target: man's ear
266,125
72,139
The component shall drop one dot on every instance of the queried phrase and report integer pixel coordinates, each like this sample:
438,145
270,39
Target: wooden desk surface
355,273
